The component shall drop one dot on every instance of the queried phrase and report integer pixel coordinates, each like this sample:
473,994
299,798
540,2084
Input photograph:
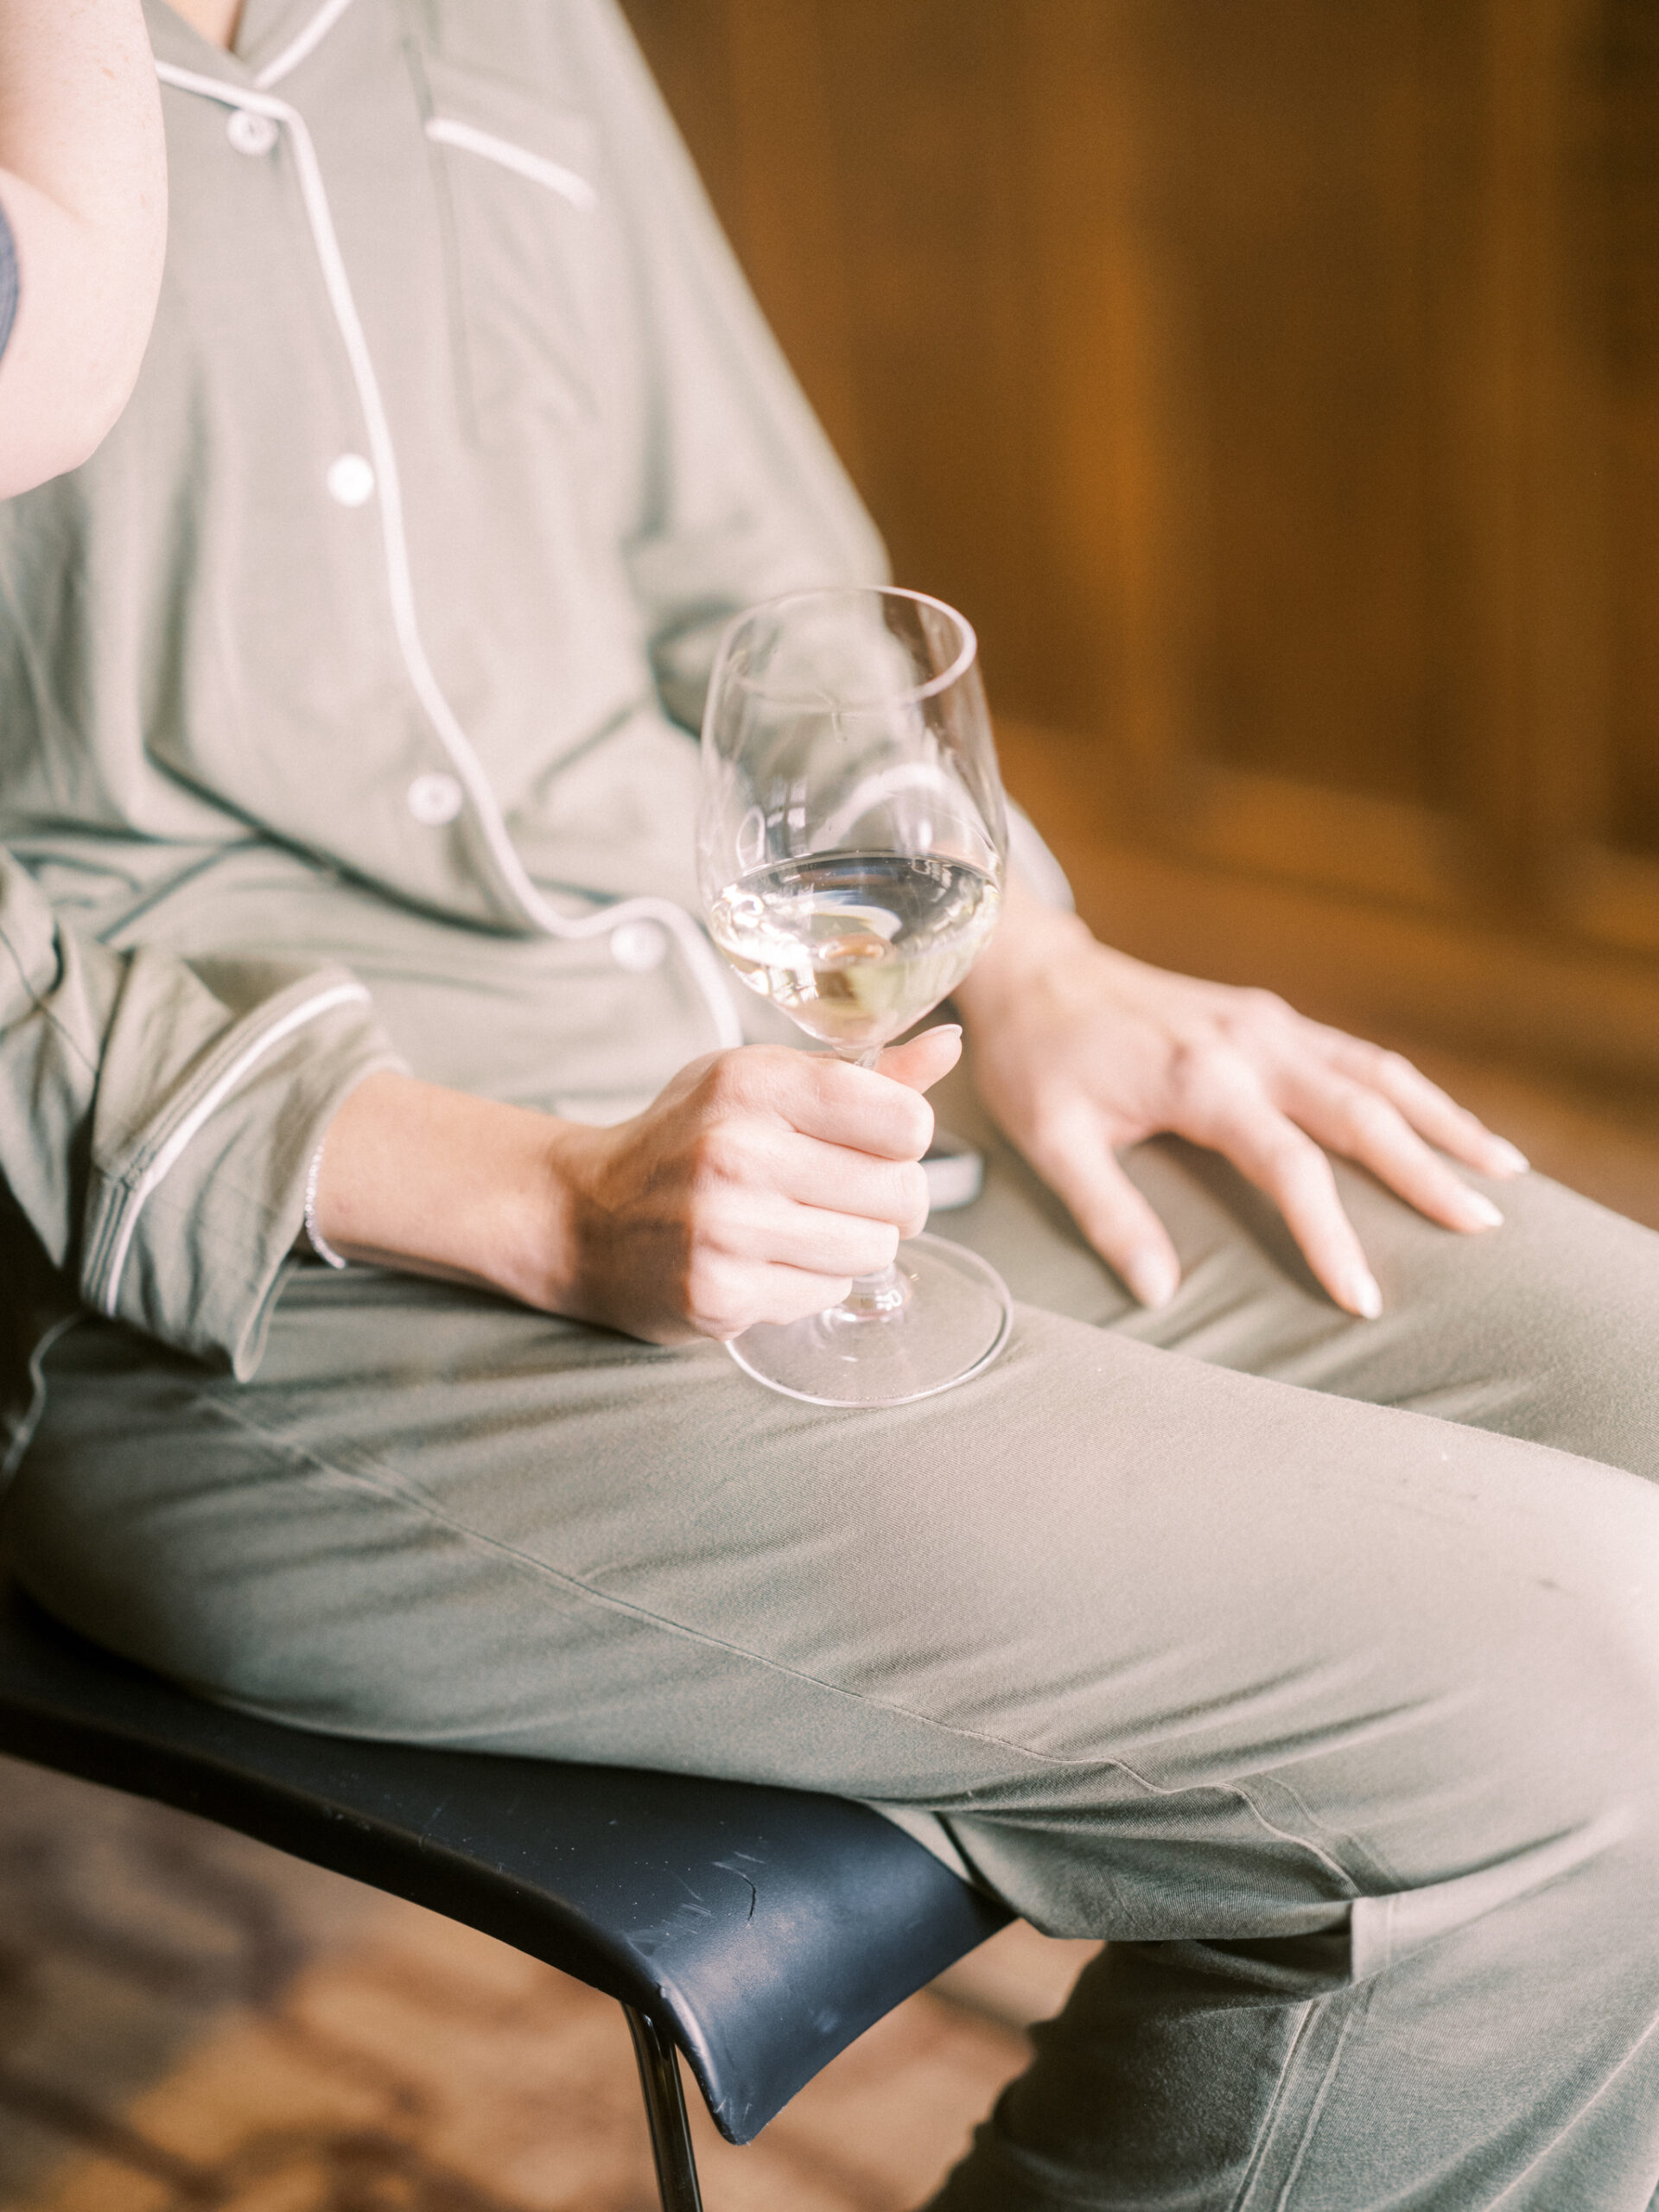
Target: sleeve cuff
193,1222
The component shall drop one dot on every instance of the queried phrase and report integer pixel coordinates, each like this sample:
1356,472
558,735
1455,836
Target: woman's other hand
1079,1049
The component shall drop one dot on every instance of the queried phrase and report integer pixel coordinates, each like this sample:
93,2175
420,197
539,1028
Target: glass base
956,1320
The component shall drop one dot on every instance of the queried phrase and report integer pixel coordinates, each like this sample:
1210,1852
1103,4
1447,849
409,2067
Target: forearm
83,185
436,1182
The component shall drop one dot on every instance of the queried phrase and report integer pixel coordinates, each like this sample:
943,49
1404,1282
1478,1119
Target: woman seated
1280,1605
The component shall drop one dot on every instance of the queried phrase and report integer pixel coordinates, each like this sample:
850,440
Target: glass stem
877,1297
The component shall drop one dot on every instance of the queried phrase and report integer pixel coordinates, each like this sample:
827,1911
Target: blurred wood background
1275,384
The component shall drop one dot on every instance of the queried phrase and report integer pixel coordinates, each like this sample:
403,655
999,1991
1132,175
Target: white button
350,479
249,133
434,799
639,946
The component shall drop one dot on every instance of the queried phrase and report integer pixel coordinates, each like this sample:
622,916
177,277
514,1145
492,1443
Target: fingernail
1153,1277
1364,1296
1511,1161
944,1029
1477,1203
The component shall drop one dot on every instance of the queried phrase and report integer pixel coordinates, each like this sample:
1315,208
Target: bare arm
83,183
753,1189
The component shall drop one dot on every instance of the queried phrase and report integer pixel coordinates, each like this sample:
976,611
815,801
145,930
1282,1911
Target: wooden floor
189,2023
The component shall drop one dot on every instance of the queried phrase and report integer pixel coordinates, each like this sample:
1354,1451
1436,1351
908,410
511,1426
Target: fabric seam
1240,2199
1299,2157
384,1482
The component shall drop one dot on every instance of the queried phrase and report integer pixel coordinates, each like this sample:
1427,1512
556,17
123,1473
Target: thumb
920,1063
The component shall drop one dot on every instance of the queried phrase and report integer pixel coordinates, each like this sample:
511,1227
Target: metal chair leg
671,2134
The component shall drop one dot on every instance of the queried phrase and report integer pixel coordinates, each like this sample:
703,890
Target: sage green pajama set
344,700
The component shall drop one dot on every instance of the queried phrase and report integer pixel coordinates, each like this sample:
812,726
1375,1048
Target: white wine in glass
851,842
856,946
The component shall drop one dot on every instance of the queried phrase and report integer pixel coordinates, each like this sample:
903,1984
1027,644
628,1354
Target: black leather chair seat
761,1929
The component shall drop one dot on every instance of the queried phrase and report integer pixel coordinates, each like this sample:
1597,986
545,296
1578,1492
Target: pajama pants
1314,1662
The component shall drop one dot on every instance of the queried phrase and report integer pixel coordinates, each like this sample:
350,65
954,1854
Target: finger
861,1108
1361,1125
823,1240
792,1293
1074,1158
844,1181
921,1061
1271,1152
1430,1111
766,1293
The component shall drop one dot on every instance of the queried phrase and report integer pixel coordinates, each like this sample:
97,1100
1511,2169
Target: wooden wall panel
1301,183
1276,384
1618,241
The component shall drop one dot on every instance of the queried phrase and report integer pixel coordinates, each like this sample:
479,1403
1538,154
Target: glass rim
958,668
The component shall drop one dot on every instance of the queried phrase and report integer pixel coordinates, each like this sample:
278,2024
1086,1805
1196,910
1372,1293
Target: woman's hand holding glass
753,1189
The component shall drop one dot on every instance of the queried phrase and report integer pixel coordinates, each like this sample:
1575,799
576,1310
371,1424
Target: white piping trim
576,190
208,1104
295,51
700,957
314,1236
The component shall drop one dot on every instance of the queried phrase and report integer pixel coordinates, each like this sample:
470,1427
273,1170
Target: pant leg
1343,1722
1543,1329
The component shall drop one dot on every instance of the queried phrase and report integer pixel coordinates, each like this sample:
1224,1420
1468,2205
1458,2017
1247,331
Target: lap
1101,1589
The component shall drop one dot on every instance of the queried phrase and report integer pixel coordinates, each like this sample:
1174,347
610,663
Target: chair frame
670,2125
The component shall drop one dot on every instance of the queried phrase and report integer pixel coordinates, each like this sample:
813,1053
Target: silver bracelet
314,1236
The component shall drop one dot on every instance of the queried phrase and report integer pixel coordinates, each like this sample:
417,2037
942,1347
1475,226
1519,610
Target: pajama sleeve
741,497
738,495
157,1117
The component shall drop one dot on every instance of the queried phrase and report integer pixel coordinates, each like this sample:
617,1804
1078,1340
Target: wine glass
851,843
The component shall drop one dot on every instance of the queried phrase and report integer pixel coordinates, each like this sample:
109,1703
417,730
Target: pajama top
357,668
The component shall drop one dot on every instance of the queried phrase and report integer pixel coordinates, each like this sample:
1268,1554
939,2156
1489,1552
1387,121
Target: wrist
1032,943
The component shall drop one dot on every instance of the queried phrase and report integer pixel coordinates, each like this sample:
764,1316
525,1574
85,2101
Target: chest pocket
534,271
